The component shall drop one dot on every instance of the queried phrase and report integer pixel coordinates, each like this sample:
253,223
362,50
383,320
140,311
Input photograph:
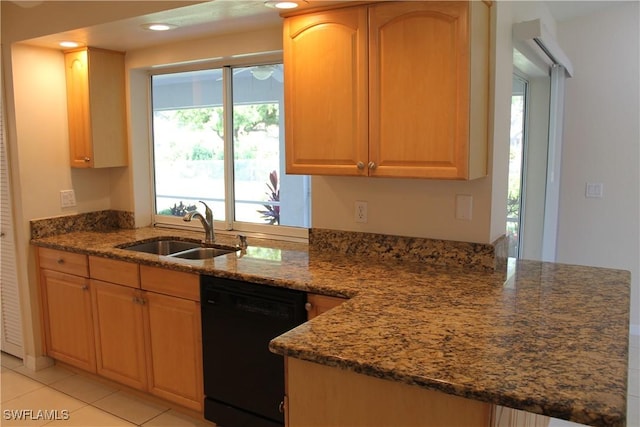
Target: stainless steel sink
202,253
175,248
161,246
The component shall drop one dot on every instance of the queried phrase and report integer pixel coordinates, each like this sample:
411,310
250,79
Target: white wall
601,143
426,208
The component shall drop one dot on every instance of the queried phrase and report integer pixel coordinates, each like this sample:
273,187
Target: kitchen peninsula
545,338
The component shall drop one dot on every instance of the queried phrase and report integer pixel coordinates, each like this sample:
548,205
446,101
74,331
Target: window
517,172
218,136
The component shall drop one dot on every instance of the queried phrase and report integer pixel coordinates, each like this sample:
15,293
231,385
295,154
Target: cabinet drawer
170,282
114,271
65,262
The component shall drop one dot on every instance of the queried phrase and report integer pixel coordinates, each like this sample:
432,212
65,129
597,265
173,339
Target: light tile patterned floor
75,400
91,403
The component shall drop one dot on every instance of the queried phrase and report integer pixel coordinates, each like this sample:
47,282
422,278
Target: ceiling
216,17
193,21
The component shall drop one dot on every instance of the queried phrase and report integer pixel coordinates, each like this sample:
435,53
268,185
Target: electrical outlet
361,211
67,198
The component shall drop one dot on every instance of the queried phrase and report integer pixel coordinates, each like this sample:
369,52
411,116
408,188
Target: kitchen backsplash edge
445,253
90,221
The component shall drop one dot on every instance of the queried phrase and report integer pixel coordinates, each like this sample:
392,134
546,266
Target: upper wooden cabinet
394,89
96,108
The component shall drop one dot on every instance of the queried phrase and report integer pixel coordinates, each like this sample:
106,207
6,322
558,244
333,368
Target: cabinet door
119,333
326,97
96,108
66,305
78,108
174,349
419,76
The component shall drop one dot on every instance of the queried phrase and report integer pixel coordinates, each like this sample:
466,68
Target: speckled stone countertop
546,338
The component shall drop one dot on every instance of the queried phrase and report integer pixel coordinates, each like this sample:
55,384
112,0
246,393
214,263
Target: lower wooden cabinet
67,319
174,349
319,396
119,331
137,325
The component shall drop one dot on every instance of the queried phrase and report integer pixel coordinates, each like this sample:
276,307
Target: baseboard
36,363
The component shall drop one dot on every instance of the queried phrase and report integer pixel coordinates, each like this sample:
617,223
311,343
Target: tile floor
75,400
90,403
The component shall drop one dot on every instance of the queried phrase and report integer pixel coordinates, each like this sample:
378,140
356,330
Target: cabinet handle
308,306
372,165
87,159
360,165
281,407
60,260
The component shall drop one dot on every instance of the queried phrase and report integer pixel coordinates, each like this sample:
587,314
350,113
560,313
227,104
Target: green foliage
513,205
199,152
178,209
246,118
271,214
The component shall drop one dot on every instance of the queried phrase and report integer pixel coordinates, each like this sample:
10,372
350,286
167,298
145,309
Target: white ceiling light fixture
283,4
262,72
159,27
67,44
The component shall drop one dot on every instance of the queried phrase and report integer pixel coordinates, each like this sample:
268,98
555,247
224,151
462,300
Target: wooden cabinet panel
67,319
120,347
170,282
319,395
96,108
326,92
64,262
174,349
419,70
114,271
425,66
318,304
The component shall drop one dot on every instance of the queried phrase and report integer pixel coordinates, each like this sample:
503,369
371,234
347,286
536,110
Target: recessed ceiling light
282,4
69,44
159,27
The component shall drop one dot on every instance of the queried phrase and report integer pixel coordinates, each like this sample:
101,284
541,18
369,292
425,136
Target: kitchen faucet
207,222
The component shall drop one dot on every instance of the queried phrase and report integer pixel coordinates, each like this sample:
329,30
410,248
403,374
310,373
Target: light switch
67,198
464,206
594,190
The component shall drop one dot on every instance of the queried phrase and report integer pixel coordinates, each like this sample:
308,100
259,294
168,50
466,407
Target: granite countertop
546,338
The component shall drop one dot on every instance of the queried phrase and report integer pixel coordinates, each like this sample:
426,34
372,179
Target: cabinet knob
85,288
372,165
87,159
360,165
60,260
308,306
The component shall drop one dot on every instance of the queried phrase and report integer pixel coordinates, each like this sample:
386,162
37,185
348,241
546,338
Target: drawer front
170,282
64,262
114,271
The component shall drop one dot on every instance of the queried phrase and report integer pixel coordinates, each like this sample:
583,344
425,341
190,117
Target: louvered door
10,322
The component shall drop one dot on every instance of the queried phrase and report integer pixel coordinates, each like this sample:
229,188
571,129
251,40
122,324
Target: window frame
229,226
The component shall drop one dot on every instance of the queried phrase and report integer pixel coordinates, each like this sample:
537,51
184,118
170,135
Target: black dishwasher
243,380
